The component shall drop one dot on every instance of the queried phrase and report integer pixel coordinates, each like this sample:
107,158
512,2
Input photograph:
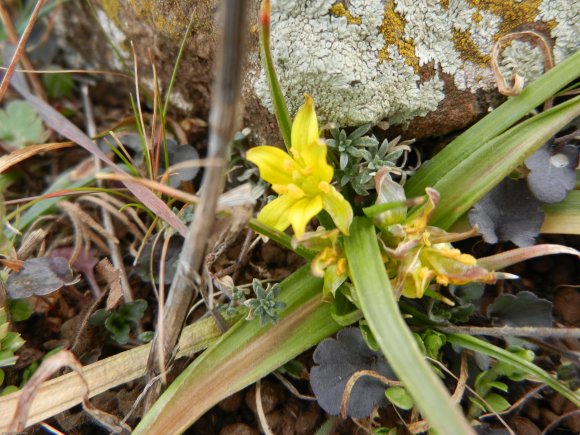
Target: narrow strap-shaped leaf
243,355
494,124
481,346
278,101
381,310
467,182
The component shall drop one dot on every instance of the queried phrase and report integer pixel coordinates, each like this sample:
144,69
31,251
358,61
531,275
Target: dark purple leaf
179,154
552,172
508,212
337,361
40,276
522,309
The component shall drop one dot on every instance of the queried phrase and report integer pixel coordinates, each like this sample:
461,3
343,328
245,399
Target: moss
338,10
393,30
168,16
112,9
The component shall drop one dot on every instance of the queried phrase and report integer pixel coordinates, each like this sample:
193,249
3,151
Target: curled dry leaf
39,277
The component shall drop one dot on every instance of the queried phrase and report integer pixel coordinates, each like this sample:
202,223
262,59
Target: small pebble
238,429
232,403
522,425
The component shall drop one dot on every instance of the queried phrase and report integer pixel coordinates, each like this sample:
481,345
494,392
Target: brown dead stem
12,34
49,367
353,380
518,81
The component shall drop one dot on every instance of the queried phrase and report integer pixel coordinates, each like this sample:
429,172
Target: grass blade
244,354
481,346
381,310
278,101
564,217
66,128
467,182
494,124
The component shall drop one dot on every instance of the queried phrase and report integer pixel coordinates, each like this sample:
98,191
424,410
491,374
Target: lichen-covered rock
421,64
368,60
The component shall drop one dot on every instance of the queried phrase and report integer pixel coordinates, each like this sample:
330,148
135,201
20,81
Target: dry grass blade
64,392
19,49
17,156
48,367
224,117
12,35
66,128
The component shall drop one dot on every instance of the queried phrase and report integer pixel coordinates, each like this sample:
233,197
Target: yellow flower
301,178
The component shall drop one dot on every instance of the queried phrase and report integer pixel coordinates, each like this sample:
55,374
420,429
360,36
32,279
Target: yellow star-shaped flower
301,177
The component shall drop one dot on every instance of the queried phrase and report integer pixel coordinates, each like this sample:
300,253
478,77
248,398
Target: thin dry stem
116,256
513,331
224,117
518,81
260,408
13,39
352,381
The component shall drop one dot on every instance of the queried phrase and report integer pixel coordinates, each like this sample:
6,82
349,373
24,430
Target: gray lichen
365,60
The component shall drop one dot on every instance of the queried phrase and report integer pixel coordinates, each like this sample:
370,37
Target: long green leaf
467,182
478,345
278,101
381,310
494,124
243,355
564,217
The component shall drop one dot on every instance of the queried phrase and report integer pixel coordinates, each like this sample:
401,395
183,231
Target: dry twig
223,123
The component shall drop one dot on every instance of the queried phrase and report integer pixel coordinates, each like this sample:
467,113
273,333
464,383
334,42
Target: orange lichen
468,49
338,10
477,17
393,29
513,14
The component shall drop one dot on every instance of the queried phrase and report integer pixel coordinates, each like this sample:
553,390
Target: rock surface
421,64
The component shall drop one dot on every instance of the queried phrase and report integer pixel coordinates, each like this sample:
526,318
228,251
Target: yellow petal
275,165
302,211
305,126
314,156
276,213
339,209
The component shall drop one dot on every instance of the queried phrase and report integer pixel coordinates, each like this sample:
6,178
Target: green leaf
58,85
20,309
483,168
9,390
343,311
20,125
399,397
382,313
497,402
493,125
513,360
564,217
244,354
278,101
498,386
